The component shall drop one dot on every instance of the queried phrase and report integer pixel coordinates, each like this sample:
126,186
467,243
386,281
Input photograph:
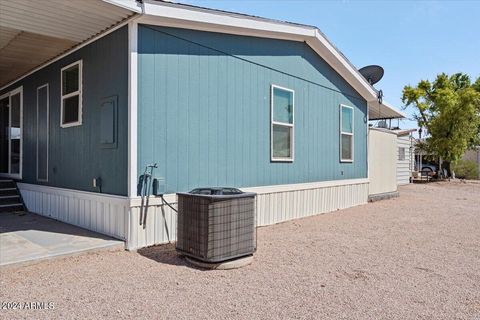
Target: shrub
465,169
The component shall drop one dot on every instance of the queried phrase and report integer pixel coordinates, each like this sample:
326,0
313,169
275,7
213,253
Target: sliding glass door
11,134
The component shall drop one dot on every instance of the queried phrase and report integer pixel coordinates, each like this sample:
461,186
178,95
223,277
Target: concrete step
9,199
5,183
11,207
8,191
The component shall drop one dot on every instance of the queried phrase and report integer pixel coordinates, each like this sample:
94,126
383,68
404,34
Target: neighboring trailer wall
382,161
403,166
75,154
204,111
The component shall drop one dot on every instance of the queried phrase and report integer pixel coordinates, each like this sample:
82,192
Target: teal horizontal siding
75,154
204,110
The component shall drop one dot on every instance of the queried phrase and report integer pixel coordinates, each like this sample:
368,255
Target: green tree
449,109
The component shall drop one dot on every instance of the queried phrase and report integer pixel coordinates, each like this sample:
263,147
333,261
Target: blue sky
412,40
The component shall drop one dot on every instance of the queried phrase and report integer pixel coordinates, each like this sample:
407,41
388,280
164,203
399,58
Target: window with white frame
401,153
71,82
346,133
282,109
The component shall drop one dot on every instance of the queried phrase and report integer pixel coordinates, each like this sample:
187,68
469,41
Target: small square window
71,107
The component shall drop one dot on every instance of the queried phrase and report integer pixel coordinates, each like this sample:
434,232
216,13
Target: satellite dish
372,73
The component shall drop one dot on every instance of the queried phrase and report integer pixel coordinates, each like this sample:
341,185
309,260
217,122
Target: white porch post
132,107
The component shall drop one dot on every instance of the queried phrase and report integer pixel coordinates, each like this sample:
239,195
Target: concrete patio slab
27,238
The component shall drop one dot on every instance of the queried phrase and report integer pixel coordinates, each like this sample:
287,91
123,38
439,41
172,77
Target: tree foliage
449,109
466,169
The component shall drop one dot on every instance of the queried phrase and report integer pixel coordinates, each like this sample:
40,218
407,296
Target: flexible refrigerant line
168,204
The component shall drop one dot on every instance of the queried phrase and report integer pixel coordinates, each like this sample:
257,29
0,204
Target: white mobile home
214,98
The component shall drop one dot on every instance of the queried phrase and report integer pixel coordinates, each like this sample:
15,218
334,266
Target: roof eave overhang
383,110
407,132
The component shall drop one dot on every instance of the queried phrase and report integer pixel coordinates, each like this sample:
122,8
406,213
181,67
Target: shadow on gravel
164,253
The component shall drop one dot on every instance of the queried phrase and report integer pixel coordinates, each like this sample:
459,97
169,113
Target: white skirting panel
160,226
106,214
274,204
283,205
122,218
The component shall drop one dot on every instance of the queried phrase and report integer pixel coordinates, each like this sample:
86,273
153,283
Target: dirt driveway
414,257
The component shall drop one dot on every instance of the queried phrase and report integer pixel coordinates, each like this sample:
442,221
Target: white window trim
347,133
290,125
71,94
48,127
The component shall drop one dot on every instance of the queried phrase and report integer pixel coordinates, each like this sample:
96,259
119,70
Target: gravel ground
413,257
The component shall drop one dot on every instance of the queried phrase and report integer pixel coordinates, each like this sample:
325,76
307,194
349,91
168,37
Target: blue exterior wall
204,110
75,154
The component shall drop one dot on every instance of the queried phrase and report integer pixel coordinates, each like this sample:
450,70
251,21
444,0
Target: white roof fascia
221,18
188,19
131,5
337,61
